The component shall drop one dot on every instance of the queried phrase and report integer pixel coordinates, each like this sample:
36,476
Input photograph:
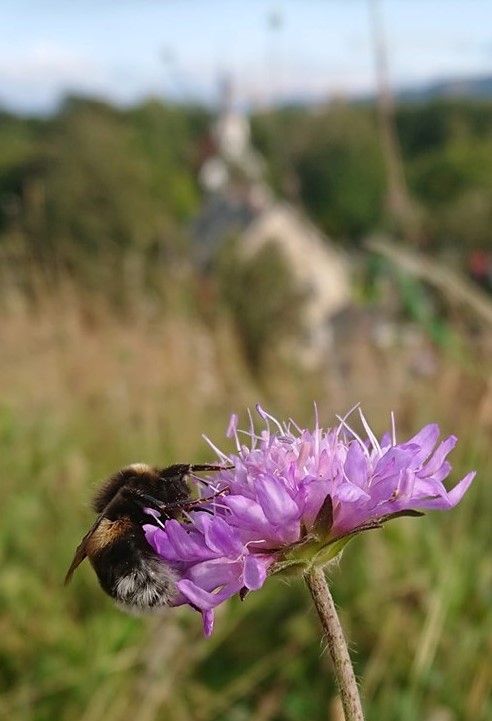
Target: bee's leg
185,505
151,507
197,501
146,501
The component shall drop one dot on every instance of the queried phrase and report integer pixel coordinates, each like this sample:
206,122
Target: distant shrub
261,294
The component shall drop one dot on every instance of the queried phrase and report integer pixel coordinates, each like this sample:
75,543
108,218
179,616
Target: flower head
293,497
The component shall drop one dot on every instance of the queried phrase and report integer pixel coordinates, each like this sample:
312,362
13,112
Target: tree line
94,183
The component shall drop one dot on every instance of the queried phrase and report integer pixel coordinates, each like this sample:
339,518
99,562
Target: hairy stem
344,672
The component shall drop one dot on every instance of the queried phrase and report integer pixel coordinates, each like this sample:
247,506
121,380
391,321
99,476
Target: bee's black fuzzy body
127,567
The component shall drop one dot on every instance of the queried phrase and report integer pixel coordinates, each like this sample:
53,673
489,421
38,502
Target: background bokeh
209,204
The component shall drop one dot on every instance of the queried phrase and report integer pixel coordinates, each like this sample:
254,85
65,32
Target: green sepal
289,568
316,549
330,552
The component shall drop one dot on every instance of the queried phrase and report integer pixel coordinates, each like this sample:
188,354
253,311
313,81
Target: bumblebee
127,567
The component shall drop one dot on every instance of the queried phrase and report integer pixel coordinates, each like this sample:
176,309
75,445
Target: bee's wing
81,551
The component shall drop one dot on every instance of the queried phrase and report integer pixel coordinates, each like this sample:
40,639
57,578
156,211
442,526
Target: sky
127,50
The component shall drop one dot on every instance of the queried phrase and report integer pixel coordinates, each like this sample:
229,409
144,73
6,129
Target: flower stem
344,672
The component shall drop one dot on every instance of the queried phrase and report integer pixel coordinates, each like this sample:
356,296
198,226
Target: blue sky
125,50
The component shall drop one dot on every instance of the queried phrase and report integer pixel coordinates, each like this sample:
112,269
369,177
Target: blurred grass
83,393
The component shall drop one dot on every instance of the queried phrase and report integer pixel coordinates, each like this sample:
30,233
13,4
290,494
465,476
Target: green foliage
18,141
262,297
333,160
100,193
341,174
95,191
444,175
168,139
448,155
424,127
469,221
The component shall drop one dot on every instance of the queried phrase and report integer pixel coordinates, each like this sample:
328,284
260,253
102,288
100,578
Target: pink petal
247,512
451,499
279,507
437,459
350,493
356,465
186,545
210,575
208,622
255,571
426,437
220,537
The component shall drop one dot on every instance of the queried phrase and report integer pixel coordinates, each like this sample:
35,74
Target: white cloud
53,66
36,77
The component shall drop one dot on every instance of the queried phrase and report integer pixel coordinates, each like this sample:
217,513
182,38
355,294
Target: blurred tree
104,192
331,160
19,138
262,297
341,173
97,187
169,138
427,126
441,176
450,171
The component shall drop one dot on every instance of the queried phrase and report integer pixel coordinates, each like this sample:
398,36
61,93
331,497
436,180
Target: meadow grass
83,393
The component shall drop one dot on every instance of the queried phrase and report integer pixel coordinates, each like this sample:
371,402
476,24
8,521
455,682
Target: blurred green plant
98,194
263,298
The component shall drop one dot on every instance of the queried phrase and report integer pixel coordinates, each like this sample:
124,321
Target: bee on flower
292,498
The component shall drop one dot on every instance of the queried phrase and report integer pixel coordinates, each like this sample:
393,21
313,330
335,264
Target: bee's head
167,485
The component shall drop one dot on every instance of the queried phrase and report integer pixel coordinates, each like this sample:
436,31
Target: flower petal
204,600
426,439
451,499
356,465
208,622
437,459
278,506
246,513
220,537
255,571
187,545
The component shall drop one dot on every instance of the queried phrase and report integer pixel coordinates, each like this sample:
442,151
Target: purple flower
294,498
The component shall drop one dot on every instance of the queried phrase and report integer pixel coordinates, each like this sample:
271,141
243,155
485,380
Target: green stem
344,672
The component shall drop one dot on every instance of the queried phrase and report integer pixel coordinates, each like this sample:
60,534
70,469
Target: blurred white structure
240,205
319,270
233,156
